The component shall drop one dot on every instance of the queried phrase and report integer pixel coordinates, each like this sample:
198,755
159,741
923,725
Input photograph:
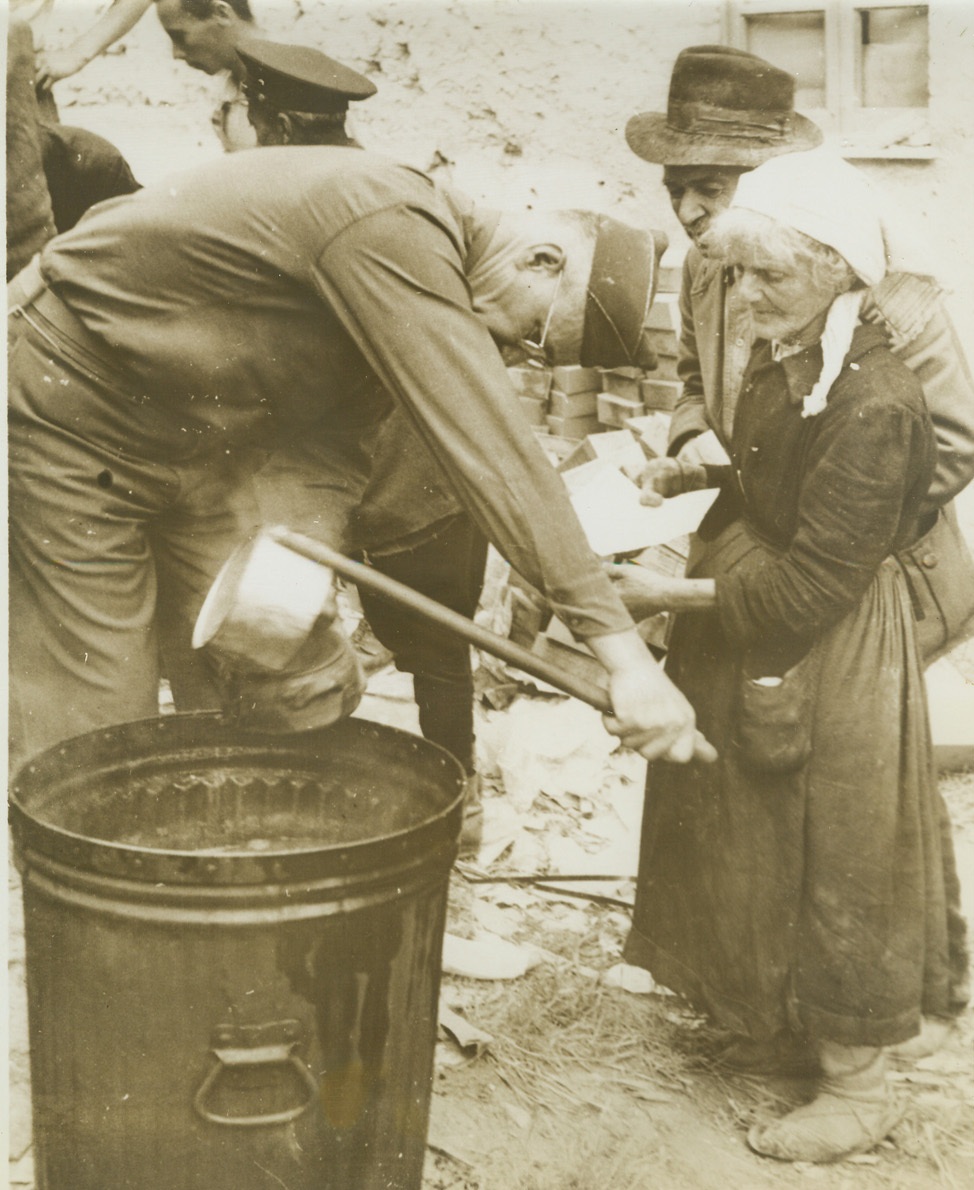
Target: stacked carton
661,389
620,397
568,405
630,393
572,404
532,386
618,415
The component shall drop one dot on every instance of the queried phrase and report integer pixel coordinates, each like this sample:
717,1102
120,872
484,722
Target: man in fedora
727,112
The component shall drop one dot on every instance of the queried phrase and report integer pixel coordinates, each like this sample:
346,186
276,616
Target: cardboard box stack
532,386
571,405
572,409
620,397
661,388
620,416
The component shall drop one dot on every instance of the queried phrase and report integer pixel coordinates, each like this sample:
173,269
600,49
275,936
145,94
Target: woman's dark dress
811,898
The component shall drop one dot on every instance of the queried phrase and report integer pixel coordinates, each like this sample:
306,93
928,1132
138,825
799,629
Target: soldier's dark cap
297,78
621,287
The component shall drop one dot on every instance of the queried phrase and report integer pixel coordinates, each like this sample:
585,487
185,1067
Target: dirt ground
587,1086
582,1086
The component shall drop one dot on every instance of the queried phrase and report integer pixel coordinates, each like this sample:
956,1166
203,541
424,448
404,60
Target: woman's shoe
853,1111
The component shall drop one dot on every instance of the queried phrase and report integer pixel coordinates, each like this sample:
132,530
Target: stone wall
522,102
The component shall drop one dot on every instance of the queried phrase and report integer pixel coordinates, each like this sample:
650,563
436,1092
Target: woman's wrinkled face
783,300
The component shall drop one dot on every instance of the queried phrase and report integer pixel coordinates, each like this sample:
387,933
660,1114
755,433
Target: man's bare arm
115,22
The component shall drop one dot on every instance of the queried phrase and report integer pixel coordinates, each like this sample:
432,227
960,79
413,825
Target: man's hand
54,65
649,714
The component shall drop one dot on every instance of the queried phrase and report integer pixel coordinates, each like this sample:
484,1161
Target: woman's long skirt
810,899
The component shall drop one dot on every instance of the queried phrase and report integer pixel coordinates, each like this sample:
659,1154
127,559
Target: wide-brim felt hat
297,78
725,107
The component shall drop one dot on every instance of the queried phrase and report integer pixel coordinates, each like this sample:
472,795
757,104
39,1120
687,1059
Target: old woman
794,889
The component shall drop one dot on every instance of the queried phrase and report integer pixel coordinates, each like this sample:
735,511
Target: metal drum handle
255,1047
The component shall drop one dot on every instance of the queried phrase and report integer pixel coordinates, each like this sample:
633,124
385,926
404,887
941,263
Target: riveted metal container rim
377,857
240,905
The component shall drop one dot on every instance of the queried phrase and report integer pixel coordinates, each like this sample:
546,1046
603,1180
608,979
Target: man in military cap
297,95
301,293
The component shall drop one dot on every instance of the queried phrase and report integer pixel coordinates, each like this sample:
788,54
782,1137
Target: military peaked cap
297,78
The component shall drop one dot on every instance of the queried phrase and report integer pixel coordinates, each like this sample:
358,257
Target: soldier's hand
653,718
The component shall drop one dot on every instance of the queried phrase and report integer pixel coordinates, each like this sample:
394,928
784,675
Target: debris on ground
486,957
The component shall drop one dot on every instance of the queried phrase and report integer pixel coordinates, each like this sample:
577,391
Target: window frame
853,130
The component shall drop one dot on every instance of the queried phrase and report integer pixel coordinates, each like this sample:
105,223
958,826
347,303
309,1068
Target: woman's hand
662,478
644,592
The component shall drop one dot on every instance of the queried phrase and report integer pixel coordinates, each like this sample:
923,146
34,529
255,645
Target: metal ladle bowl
263,606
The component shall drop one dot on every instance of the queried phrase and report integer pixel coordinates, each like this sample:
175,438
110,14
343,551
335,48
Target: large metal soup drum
233,951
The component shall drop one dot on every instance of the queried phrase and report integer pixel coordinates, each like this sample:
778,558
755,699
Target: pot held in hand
270,622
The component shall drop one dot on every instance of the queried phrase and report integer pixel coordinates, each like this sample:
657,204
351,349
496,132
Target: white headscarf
827,200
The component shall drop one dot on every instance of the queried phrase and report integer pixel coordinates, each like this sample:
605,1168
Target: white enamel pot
264,604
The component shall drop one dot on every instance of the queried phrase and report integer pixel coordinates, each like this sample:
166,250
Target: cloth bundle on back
55,173
30,220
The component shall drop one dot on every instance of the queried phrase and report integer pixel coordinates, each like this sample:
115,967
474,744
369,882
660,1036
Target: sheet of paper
607,504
